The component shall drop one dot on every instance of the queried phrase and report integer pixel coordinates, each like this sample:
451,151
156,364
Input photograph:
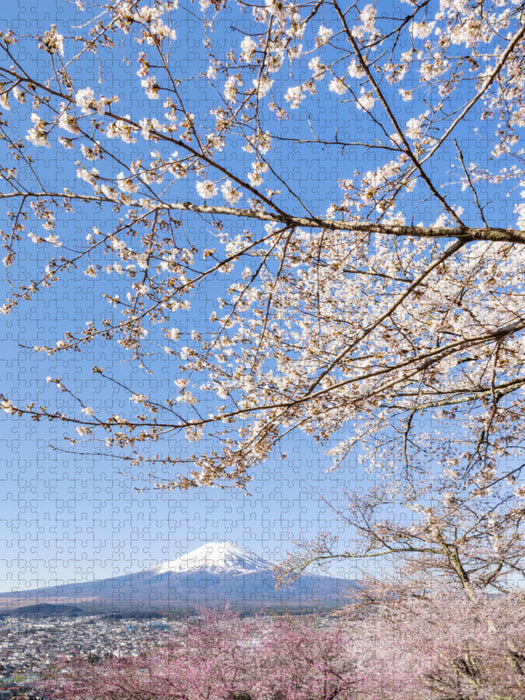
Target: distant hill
217,573
44,609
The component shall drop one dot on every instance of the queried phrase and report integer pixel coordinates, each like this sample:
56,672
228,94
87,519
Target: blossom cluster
368,656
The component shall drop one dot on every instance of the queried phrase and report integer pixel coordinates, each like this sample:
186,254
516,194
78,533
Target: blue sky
65,516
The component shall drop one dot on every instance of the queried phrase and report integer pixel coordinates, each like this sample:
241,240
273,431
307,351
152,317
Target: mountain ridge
217,573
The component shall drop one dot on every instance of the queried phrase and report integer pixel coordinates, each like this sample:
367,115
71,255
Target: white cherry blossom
206,189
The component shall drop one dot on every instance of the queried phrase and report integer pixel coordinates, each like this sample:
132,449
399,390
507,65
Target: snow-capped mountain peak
217,573
215,558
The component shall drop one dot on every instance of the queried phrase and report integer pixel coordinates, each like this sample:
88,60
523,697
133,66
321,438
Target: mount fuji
217,573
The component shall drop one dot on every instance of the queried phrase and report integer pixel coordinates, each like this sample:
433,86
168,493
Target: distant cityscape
30,642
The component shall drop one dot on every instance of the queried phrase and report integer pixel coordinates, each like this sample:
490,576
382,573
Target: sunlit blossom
206,189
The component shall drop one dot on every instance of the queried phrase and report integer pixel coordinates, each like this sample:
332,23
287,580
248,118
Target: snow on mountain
217,573
215,558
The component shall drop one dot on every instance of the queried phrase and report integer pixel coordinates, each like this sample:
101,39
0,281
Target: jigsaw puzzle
262,349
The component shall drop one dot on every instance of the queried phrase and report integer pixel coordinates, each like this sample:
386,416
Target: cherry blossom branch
464,233
399,131
485,86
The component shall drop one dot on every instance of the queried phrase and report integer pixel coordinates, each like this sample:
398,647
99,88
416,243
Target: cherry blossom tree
221,657
358,277
419,646
414,650
445,622
451,532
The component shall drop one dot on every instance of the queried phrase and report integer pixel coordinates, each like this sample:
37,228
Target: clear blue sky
67,517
